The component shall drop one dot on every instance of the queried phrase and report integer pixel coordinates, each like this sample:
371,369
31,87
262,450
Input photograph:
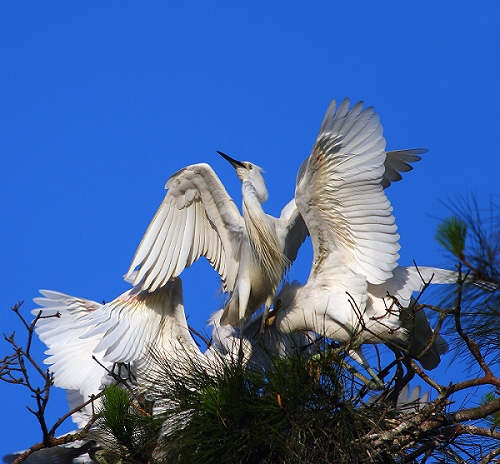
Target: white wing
196,218
138,320
402,285
293,229
341,198
121,331
70,356
406,280
396,162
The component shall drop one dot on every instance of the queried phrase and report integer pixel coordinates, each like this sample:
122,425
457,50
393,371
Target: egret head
249,172
286,297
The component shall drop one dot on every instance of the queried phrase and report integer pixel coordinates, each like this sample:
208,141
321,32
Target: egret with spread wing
88,339
354,280
197,218
251,252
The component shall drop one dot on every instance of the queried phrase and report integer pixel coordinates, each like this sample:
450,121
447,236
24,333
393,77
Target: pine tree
314,404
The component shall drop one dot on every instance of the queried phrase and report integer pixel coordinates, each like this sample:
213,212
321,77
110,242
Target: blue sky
102,101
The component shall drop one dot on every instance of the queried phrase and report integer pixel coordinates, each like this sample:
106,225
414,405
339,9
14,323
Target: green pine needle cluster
472,235
128,432
452,234
290,410
493,419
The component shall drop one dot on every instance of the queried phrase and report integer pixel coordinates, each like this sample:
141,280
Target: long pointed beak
234,163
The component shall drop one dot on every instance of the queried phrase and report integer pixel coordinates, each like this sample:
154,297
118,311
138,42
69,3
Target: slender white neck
262,236
251,190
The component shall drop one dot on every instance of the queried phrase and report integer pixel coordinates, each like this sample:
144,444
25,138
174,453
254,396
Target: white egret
121,331
198,218
251,252
354,278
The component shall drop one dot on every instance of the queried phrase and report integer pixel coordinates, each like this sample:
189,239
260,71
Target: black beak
234,163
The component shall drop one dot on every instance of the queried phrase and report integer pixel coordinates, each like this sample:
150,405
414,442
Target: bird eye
249,166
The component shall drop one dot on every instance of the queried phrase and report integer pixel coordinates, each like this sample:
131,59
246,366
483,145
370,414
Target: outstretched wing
196,218
396,162
341,198
87,338
402,285
137,321
406,280
69,355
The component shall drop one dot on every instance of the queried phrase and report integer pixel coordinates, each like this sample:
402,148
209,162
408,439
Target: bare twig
14,369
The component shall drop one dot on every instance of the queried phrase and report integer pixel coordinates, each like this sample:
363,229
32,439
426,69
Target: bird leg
374,384
359,357
243,297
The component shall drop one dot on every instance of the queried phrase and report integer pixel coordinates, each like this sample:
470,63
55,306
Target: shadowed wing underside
196,218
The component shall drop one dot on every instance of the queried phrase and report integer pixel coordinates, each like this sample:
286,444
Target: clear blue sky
102,101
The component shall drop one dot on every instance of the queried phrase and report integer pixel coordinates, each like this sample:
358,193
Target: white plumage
354,278
251,252
121,331
339,196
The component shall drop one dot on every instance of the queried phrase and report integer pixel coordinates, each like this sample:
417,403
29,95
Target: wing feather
187,240
172,243
198,236
196,218
293,228
153,240
341,198
398,161
70,355
138,319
